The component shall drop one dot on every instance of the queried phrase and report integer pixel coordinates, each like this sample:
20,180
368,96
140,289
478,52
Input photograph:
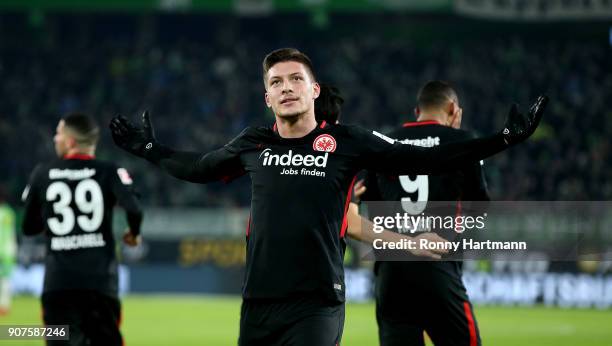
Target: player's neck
438,117
296,127
90,151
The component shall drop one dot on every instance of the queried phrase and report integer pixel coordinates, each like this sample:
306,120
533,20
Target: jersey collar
79,157
421,123
322,125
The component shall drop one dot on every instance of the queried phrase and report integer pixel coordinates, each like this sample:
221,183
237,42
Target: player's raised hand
519,127
133,139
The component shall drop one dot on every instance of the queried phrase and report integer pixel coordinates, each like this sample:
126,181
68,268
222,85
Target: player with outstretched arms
302,175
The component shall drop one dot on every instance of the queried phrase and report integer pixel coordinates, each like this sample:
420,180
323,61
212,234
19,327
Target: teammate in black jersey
417,296
302,174
328,107
71,200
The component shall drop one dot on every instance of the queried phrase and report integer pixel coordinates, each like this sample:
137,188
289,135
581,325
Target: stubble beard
293,117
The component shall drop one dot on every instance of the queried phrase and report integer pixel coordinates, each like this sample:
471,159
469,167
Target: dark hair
286,54
328,105
83,128
435,94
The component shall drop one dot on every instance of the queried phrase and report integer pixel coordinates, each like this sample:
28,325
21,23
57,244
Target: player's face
290,91
61,139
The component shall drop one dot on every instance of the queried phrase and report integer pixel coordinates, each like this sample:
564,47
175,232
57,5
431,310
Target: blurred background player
415,296
71,199
328,108
8,251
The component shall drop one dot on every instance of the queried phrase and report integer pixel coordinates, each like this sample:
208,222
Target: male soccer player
415,296
328,107
302,174
71,199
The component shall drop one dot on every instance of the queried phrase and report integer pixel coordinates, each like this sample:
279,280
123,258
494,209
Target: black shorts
297,322
93,317
413,297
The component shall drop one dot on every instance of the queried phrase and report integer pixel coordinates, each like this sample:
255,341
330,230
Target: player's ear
452,107
317,90
417,111
71,141
268,102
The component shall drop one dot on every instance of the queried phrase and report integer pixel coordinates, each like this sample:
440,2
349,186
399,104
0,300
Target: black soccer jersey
413,296
72,201
300,194
459,185
465,182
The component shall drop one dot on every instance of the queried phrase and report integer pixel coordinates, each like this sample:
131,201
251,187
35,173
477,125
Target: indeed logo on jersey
296,161
291,159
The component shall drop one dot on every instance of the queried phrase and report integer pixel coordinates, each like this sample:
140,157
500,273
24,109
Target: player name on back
81,241
71,174
422,142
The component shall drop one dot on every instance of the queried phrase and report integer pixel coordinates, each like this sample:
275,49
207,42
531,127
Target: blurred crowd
200,76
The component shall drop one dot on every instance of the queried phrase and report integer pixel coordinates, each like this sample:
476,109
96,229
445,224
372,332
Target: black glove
138,141
519,127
